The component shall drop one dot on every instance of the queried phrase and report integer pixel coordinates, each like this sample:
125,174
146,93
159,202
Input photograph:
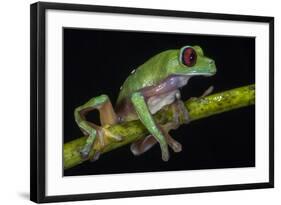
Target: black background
98,61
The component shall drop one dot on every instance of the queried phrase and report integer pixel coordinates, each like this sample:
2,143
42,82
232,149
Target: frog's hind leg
143,145
93,131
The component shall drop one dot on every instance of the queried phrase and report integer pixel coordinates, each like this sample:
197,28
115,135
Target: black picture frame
38,101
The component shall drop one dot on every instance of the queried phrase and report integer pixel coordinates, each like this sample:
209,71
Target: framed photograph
129,102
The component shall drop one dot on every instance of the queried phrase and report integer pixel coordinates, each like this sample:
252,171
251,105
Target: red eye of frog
189,57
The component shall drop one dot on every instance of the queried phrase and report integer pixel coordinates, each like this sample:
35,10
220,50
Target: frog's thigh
103,105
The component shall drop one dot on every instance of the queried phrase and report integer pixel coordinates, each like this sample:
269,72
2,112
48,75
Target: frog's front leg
107,117
143,145
146,118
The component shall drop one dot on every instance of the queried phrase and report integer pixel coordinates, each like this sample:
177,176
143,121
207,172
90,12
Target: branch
131,131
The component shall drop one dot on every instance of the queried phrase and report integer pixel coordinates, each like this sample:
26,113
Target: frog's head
190,61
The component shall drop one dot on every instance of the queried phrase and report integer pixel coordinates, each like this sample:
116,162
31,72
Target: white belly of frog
155,103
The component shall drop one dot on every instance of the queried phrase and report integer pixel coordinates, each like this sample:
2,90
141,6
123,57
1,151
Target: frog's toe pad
176,146
84,153
165,155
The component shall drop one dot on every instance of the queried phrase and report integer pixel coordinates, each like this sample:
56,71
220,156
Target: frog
151,86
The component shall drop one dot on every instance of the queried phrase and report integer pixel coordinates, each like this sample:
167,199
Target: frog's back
148,74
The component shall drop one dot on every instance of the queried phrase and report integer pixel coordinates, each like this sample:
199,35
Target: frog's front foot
180,115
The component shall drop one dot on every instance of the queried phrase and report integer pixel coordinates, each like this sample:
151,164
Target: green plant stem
131,131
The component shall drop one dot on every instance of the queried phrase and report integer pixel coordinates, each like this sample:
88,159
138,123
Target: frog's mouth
199,74
206,71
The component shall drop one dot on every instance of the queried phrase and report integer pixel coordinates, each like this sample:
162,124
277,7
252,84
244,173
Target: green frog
146,90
